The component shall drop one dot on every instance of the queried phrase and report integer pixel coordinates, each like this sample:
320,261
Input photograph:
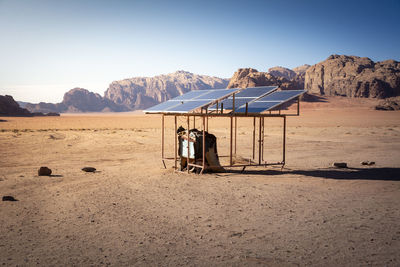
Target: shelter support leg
188,144
298,106
235,134
162,140
262,140
175,143
230,147
259,142
254,137
284,142
204,146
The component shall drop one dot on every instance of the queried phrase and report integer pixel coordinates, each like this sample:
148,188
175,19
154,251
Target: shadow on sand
383,174
56,175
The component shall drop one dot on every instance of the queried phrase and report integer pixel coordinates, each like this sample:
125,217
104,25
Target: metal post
176,143
262,146
188,143
284,140
207,119
235,134
298,106
204,147
162,136
233,104
259,143
162,140
254,137
194,122
230,147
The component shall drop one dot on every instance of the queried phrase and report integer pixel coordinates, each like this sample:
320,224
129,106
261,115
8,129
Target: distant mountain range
9,107
349,76
130,94
143,92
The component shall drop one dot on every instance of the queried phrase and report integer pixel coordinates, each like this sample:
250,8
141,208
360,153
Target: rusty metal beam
175,144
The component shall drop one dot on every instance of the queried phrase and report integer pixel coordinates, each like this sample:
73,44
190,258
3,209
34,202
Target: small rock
340,164
89,169
44,171
369,163
9,198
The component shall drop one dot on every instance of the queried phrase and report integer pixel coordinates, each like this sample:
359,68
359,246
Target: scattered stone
340,164
392,103
9,198
369,163
44,171
89,169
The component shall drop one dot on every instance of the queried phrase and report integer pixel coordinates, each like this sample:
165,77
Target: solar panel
256,91
187,106
282,95
271,101
190,101
216,94
163,106
228,103
191,95
245,96
257,107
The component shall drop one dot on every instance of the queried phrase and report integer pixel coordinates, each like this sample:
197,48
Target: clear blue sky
49,47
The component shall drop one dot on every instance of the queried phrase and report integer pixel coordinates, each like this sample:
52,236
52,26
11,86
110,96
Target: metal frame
204,115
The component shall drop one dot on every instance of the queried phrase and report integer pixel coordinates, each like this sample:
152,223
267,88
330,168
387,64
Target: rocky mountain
78,100
354,76
143,92
282,72
248,77
300,70
9,107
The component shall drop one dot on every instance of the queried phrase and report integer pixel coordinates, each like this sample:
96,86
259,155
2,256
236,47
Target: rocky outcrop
391,103
300,75
143,92
78,100
301,70
81,100
9,107
354,77
286,73
45,107
249,77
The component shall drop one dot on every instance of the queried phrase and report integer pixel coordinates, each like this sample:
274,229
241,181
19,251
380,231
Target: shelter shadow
383,174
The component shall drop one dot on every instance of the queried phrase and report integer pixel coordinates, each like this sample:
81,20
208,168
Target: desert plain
134,212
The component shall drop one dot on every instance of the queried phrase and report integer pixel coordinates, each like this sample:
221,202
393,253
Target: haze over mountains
343,75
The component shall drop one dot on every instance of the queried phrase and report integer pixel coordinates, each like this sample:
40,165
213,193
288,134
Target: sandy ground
135,212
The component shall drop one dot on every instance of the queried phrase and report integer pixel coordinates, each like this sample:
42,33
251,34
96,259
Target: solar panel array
259,99
190,101
270,101
245,96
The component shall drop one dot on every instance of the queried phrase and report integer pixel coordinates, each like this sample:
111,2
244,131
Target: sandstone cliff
77,100
143,92
301,70
282,72
249,77
354,77
9,107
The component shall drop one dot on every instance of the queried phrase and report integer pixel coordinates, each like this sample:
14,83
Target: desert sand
133,212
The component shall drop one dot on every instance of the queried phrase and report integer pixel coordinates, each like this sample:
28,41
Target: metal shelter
254,102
